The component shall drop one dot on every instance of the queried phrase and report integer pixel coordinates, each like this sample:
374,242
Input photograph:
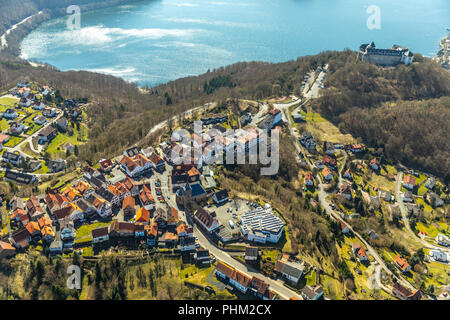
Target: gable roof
410,180
146,196
206,217
128,202
221,195
99,232
33,227
143,215
154,158
294,270
401,262
225,269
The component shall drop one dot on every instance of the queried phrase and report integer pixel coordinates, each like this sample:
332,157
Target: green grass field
13,141
54,147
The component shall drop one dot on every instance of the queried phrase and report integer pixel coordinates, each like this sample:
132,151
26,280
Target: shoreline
41,16
3,38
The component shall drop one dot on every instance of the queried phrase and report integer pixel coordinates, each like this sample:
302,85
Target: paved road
259,115
404,212
175,118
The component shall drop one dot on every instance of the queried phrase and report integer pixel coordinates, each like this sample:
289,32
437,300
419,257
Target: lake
155,41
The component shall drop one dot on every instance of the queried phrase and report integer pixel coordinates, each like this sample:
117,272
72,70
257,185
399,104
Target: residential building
408,196
207,220
13,158
21,239
100,235
375,164
309,180
6,250
310,293
327,175
360,253
39,120
128,207
146,198
289,270
106,165
443,240
46,135
402,264
346,191
157,162
431,183
220,197
34,208
10,114
143,216
405,294
409,182
121,229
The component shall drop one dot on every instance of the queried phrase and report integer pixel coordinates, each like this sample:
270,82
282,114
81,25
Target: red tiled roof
225,269
143,215
401,262
410,180
128,202
155,158
99,232
33,227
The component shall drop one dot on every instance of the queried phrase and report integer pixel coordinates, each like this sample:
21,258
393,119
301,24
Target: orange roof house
173,218
82,187
71,194
326,173
143,215
193,172
410,181
33,228
128,202
44,221
146,196
360,252
224,269
152,230
401,263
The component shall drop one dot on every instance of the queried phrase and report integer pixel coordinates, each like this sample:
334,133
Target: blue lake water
156,41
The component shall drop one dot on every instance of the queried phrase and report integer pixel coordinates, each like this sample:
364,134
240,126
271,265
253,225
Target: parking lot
230,211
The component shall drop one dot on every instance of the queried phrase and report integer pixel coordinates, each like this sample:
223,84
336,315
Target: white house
100,235
38,105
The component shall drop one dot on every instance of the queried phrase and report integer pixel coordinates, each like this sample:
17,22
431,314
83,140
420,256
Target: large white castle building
385,57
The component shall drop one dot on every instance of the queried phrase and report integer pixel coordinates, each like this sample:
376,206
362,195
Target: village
143,200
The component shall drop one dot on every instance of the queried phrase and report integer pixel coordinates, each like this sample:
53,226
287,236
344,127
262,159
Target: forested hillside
404,110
